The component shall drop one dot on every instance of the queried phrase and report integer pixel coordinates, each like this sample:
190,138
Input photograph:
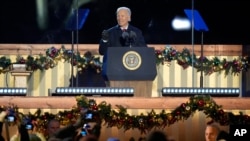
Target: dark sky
227,20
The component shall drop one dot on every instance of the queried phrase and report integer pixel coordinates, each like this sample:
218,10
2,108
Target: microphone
125,35
132,37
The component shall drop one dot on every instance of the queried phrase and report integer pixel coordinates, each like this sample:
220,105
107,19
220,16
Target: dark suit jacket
115,39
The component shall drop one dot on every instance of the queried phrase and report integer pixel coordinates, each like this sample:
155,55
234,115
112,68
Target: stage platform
67,102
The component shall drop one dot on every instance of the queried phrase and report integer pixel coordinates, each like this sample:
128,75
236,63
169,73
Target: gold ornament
188,108
160,120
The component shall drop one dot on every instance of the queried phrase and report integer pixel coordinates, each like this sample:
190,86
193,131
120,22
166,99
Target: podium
130,67
20,75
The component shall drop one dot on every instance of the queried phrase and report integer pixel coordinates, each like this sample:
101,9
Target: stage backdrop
170,74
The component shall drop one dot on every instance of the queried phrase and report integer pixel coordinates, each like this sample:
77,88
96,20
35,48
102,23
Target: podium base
141,88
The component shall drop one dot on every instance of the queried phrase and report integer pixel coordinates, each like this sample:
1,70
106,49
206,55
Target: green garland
184,59
103,113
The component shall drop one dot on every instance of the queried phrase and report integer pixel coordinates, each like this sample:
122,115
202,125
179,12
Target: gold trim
131,60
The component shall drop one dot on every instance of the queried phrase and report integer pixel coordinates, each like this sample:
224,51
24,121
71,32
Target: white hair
124,8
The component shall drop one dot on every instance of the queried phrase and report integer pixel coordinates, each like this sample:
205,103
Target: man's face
123,17
53,127
211,133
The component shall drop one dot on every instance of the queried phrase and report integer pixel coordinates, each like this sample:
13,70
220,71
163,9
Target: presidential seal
131,60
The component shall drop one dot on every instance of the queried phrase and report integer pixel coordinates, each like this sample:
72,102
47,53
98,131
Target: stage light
182,91
93,91
13,91
181,23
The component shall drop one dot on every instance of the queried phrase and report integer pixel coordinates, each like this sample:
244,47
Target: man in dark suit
123,34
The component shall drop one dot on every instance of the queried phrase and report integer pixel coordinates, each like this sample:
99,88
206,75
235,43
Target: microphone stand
201,77
72,56
75,23
130,43
131,38
77,41
199,25
72,48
